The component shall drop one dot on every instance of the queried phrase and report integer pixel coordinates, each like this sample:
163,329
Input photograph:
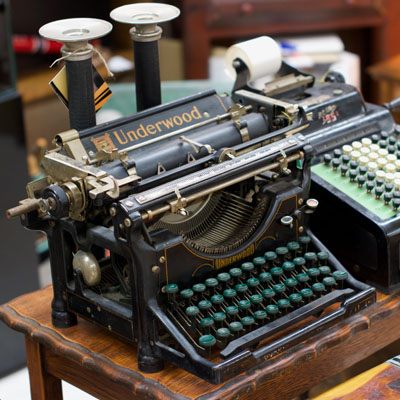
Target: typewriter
185,228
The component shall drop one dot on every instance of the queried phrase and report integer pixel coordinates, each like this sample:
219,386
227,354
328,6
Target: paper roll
262,56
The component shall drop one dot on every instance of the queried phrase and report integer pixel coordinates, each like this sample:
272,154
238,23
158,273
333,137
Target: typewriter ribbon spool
75,34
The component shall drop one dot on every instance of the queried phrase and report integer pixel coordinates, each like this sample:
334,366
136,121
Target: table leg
43,385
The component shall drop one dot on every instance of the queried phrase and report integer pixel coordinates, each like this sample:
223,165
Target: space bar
253,337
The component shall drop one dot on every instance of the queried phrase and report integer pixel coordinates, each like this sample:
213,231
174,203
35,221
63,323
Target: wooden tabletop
90,357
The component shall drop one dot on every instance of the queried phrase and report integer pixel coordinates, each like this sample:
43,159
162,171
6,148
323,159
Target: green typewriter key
247,267
172,289
219,318
252,283
276,272
199,288
329,282
270,257
259,263
222,335
207,341
229,295
256,299
306,294
340,277
295,299
223,278
272,309
235,273
284,305
265,277
323,257
282,252
206,324
211,283
293,248
204,305
304,241
318,288
241,288
247,322
236,327
260,315
186,295
299,262
310,258
325,270
314,273
217,299
279,288
268,293
302,277
192,312
244,305
231,311
291,283
288,266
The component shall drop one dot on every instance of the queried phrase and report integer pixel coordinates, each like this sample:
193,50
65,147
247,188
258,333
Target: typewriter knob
87,263
58,200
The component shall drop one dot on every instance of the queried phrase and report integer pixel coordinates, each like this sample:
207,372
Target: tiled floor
16,387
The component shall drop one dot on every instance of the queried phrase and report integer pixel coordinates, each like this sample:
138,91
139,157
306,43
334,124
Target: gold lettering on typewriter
223,262
104,142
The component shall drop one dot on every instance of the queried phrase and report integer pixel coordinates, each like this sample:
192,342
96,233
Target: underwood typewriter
184,228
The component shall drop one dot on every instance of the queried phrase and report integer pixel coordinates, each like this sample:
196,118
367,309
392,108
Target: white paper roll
262,56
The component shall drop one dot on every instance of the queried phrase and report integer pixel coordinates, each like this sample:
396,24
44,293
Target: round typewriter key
302,278
217,299
256,299
291,282
192,311
235,326
304,239
370,186
259,262
272,309
223,333
279,288
260,315
390,169
288,266
384,135
318,288
340,275
299,261
355,155
337,153
207,341
366,142
353,175
389,177
219,317
325,270
391,149
362,170
293,246
371,175
211,282
204,305
327,159
270,256
329,282
375,138
313,272
231,311
382,144
396,204
265,277
379,181
387,197
353,164
322,256
306,293
241,288
281,251
248,321
230,294
247,267
392,140
372,166
398,154
345,159
335,163
295,298
310,256
199,288
252,282
244,304
235,272
383,153
283,304
378,192
172,288
346,149
344,169
206,322
356,145
388,187
186,293
268,293
223,277
361,180
276,272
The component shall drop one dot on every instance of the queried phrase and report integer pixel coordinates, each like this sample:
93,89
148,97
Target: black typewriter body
185,228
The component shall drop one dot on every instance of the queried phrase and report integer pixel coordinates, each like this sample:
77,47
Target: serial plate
214,171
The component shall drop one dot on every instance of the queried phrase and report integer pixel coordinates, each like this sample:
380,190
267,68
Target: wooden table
96,361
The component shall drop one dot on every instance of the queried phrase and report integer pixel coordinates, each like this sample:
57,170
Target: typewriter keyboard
232,303
368,171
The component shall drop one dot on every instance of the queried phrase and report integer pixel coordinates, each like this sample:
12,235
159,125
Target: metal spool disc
144,13
75,29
